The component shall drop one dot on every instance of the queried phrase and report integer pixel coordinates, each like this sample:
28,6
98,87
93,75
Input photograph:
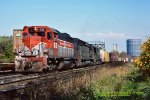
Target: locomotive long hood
31,42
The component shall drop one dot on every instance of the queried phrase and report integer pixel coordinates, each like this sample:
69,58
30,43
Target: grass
125,84
121,82
109,83
98,83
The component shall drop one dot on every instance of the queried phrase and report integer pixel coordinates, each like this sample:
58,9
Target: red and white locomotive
44,48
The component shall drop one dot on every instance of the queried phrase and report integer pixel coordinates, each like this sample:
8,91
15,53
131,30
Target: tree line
6,48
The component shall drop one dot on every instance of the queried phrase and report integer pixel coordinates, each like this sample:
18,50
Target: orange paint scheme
31,41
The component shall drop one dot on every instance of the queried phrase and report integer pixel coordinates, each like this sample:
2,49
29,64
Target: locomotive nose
31,42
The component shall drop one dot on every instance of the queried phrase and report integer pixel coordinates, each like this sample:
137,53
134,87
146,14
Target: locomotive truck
41,48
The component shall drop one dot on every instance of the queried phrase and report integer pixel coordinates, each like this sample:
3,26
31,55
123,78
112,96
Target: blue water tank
133,47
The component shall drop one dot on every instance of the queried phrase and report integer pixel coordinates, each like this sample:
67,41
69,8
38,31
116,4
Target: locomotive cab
34,41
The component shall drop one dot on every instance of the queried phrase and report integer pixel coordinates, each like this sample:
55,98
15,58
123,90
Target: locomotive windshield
31,30
41,32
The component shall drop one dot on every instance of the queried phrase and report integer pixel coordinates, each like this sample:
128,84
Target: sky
113,21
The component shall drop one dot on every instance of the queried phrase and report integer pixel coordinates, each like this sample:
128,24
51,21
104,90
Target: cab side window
55,36
49,35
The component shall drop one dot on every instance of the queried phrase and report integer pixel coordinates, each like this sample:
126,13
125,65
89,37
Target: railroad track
3,77
19,81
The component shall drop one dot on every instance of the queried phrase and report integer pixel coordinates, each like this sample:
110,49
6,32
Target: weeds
133,86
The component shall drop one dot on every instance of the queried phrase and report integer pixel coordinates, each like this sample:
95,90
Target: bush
143,62
133,86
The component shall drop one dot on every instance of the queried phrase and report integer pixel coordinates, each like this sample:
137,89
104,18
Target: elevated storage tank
133,47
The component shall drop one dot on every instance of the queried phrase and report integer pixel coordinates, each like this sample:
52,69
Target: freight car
41,48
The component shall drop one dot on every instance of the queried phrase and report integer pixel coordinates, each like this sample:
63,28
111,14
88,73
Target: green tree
6,47
143,62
